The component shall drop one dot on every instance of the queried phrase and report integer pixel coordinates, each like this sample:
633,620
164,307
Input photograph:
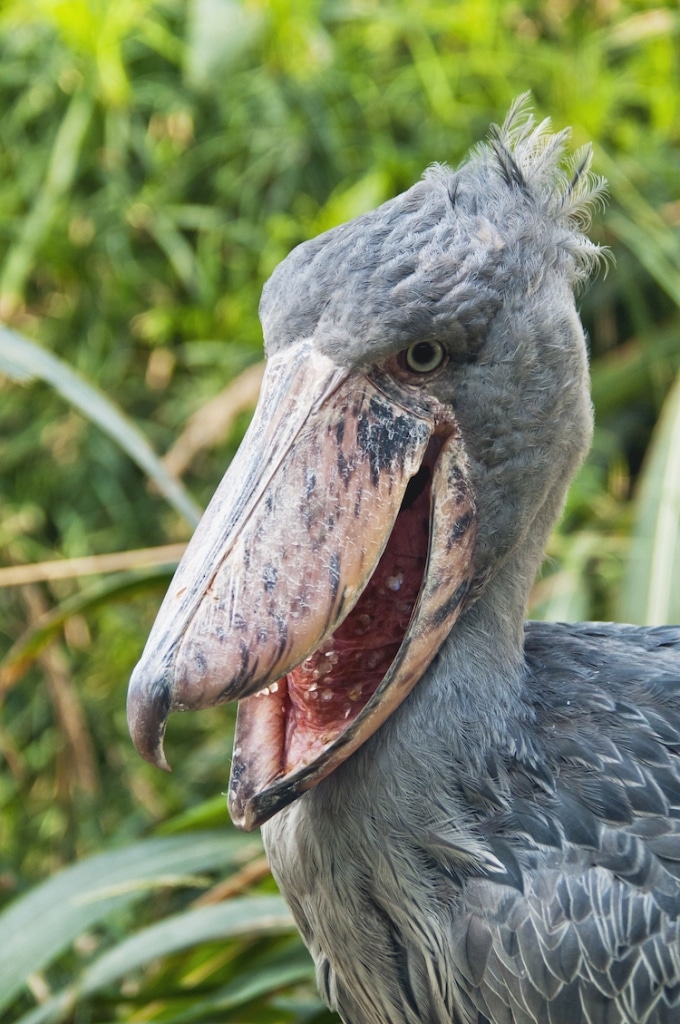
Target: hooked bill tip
148,708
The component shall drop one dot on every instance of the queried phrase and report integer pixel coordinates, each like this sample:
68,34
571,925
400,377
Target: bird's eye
424,356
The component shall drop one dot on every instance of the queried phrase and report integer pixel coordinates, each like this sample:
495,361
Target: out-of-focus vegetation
157,160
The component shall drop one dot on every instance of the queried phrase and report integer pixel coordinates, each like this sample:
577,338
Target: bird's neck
477,681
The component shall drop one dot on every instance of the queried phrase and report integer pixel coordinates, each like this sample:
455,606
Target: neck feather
474,688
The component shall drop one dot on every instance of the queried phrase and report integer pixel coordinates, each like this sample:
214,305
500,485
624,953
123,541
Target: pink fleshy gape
329,688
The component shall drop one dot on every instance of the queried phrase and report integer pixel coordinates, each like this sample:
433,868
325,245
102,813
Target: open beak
327,570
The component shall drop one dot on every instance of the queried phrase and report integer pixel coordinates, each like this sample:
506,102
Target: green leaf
205,815
37,927
122,586
295,966
250,985
563,595
220,33
643,229
22,360
60,175
618,379
650,594
245,915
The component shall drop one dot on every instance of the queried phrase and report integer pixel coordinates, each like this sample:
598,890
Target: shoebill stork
472,819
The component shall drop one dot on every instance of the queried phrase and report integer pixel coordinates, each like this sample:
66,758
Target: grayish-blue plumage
505,848
514,871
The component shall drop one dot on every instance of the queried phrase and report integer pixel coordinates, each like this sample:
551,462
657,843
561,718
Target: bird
474,819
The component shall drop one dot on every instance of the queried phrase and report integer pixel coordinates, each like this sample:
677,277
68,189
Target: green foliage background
157,160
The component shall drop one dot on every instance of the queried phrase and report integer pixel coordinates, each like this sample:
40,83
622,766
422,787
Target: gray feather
505,849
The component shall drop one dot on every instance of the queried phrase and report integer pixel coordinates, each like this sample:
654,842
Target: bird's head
424,405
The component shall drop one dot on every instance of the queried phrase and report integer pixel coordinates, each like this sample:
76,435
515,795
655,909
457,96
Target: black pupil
423,354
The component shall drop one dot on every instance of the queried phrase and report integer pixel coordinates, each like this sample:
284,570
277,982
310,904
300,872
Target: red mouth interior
328,690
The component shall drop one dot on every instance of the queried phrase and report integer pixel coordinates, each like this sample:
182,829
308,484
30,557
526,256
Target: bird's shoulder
597,743
595,764
604,705
581,920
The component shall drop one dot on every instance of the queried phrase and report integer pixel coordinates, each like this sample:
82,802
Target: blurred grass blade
29,646
208,814
241,916
650,249
37,927
563,595
651,594
178,251
90,565
60,175
22,360
616,378
219,32
249,985
655,244
246,917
